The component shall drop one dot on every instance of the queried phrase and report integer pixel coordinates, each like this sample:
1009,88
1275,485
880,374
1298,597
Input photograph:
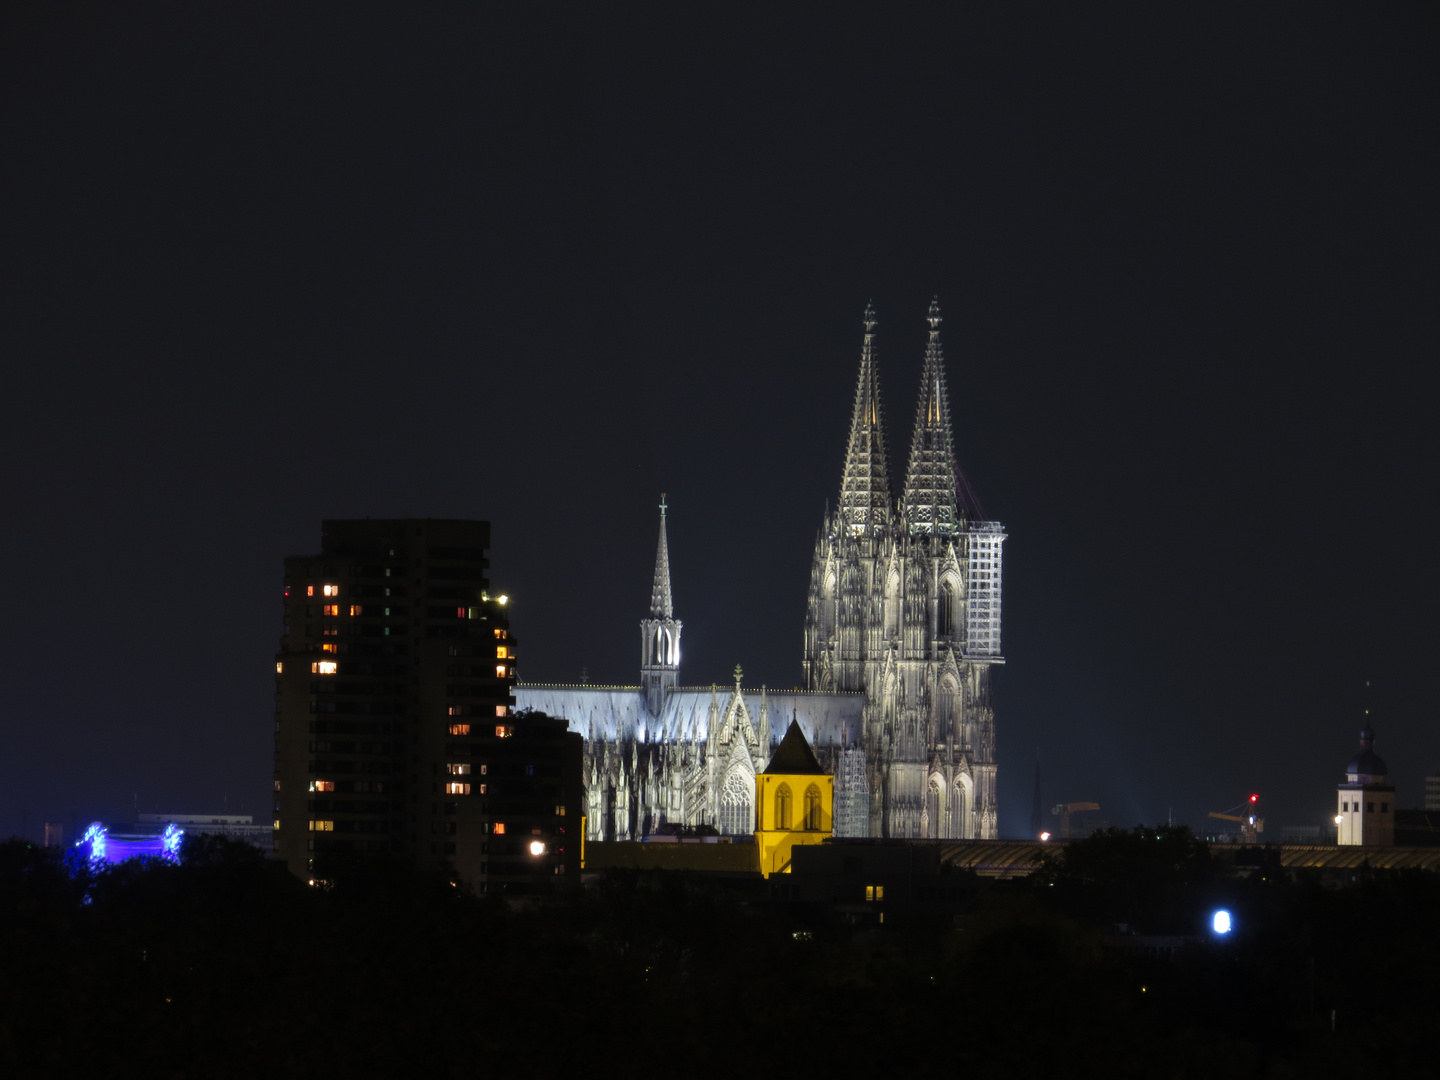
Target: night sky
264,265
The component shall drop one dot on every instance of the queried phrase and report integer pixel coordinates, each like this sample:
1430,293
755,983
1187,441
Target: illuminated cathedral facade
901,633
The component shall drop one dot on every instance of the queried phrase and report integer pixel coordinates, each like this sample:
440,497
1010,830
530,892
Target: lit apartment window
459,729
499,671
501,652
322,826
498,828
459,612
331,629
456,710
484,769
323,667
458,769
502,710
482,786
457,789
499,634
330,647
309,590
504,731
277,823
322,785
355,609
332,590
279,667
559,811
277,785
874,892
331,610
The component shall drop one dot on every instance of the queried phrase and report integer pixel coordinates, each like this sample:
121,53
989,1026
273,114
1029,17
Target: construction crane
1065,809
1250,825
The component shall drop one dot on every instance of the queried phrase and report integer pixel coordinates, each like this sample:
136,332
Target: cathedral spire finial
865,481
661,604
928,503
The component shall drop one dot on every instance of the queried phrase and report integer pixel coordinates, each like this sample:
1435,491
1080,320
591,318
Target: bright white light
1221,922
537,847
1339,818
503,599
1045,836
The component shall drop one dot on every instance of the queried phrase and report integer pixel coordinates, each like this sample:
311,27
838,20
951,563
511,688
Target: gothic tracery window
962,810
782,807
932,811
736,801
812,808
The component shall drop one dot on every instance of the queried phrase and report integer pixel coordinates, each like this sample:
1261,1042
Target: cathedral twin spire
927,503
865,483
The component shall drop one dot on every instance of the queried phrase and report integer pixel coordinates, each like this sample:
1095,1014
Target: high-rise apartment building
395,733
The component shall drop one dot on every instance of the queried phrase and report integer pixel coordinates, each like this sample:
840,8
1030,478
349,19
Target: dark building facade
395,732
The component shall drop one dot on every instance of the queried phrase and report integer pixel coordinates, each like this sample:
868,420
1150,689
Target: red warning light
1254,798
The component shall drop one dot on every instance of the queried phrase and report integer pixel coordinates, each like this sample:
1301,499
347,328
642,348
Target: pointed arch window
932,811
737,815
813,809
961,794
782,807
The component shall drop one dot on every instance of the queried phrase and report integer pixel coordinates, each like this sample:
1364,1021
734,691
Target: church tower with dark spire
660,633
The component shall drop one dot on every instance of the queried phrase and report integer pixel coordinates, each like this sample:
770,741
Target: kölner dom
901,633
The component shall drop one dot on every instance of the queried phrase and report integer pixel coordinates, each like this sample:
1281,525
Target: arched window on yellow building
812,808
782,807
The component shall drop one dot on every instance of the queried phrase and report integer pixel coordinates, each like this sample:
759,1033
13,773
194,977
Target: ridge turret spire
660,633
661,602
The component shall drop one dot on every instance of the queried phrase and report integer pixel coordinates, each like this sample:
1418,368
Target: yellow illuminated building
795,803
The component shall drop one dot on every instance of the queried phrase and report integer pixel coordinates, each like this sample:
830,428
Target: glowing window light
1221,922
322,785
504,731
537,847
332,590
502,710
499,671
309,590
458,769
332,609
356,609
501,652
330,647
457,789
499,828
324,667
279,667
459,729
